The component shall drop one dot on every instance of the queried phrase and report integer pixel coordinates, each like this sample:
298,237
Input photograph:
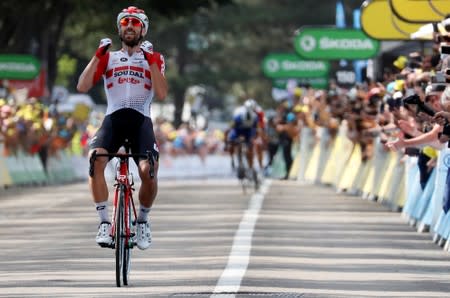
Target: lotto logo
128,80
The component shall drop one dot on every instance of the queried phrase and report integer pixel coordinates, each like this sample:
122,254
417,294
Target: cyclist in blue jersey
244,125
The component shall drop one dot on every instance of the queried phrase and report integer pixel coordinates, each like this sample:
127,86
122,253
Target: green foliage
66,70
216,43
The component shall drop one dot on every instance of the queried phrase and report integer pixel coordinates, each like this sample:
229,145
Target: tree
50,28
219,44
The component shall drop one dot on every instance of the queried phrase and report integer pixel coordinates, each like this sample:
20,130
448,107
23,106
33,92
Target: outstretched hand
397,144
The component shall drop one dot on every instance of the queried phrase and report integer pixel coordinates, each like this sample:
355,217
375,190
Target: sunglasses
135,22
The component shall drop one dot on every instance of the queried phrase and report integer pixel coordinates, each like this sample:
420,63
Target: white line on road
231,278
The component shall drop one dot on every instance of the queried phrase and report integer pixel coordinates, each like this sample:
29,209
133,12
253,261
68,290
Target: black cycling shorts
126,124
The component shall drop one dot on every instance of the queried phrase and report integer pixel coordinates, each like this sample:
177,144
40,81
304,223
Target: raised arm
86,79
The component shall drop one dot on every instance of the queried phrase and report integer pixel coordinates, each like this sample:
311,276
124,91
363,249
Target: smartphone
443,38
445,49
439,77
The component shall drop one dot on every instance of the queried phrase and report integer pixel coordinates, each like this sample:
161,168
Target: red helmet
133,11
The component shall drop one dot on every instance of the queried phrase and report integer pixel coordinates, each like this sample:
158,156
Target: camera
439,78
412,151
445,132
414,100
443,38
445,49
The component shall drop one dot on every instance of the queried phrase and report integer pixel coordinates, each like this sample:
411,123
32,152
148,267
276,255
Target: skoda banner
293,66
317,83
334,44
19,67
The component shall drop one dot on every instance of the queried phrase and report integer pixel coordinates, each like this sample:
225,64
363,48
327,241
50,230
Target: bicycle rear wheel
119,238
241,173
256,180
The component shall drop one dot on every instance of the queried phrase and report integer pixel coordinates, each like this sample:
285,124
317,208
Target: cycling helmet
133,11
250,104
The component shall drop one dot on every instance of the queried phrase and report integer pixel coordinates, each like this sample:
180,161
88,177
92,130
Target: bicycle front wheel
127,245
119,238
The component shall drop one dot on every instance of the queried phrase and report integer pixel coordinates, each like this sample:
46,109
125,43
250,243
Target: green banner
333,44
19,67
317,83
293,66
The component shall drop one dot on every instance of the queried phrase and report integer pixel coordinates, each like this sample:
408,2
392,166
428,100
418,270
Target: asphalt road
210,240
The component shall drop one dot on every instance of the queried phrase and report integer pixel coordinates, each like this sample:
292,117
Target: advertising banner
334,43
19,67
292,66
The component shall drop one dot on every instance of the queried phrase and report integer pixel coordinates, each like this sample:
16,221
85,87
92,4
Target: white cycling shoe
144,235
103,237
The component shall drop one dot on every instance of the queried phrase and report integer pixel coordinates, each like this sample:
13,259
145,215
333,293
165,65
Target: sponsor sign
317,83
19,67
421,11
379,22
334,43
292,66
36,87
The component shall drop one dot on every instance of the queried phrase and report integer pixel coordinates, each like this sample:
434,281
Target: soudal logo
129,72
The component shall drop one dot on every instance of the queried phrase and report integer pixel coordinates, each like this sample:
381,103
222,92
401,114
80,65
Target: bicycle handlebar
149,156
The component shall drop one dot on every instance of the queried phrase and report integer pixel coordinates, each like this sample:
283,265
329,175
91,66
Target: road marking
231,278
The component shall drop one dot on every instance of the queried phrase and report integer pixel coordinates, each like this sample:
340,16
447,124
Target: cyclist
132,76
259,142
244,125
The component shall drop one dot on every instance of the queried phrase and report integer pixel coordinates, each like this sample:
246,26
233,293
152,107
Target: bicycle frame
123,180
245,176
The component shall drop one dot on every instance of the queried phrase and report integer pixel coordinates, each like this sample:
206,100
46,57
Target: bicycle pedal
106,245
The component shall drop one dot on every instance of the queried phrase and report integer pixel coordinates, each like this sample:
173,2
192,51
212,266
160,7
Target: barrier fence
388,177
22,169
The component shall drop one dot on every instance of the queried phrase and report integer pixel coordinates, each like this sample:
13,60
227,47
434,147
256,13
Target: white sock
143,214
102,211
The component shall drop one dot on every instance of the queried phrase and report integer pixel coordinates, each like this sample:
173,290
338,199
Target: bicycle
124,214
245,174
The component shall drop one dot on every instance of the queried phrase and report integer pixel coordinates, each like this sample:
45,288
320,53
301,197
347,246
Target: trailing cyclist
244,126
132,76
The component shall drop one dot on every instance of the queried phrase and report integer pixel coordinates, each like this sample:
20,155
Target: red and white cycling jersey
127,80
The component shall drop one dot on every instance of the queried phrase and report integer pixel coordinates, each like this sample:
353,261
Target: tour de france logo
308,43
447,160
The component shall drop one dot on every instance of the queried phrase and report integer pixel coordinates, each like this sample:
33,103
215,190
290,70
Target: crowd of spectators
375,110
371,110
33,127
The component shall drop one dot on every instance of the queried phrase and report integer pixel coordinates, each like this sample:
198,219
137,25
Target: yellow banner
421,11
379,22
